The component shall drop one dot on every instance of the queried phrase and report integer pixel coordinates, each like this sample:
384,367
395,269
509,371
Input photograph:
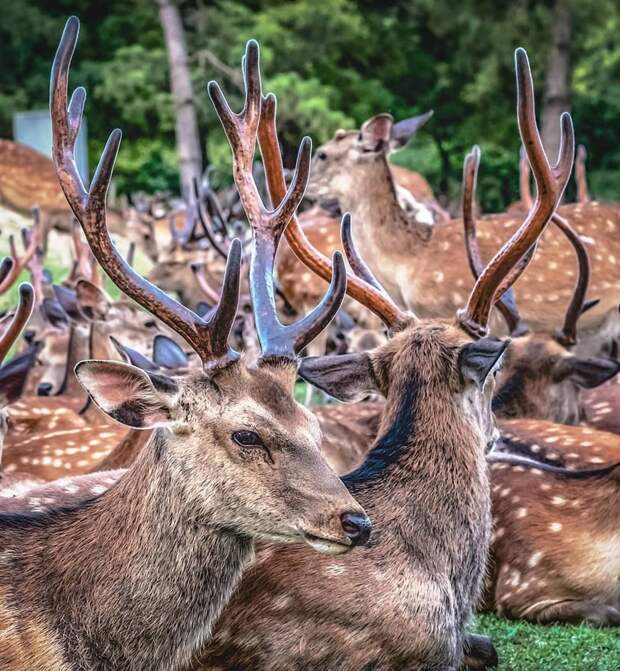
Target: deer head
247,453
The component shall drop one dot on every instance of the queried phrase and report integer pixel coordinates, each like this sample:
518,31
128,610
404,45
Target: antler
370,296
20,262
567,335
580,175
208,338
19,319
205,221
241,130
506,303
550,182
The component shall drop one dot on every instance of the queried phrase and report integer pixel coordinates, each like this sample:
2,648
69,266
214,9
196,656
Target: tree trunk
556,98
186,126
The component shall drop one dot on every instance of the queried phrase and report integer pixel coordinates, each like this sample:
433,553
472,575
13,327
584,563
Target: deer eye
321,155
247,439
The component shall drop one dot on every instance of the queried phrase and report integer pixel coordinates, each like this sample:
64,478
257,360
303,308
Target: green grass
522,646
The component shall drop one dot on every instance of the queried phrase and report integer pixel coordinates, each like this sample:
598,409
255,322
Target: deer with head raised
140,573
429,273
403,602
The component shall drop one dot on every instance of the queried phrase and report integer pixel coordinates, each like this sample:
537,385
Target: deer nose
357,527
45,389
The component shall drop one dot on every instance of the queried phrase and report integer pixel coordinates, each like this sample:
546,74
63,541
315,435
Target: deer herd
165,500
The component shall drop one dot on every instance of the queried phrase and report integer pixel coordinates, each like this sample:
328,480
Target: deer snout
45,389
357,528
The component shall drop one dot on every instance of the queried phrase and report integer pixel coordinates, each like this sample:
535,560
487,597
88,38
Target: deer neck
381,226
135,578
425,477
77,350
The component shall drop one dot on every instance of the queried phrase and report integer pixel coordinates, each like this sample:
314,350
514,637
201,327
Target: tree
556,97
186,125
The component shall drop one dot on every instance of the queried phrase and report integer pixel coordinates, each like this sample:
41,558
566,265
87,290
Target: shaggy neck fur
133,579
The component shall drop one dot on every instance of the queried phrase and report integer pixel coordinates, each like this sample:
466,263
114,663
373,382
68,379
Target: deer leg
479,653
580,612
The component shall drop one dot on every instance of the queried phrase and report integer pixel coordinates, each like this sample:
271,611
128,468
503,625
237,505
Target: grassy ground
527,647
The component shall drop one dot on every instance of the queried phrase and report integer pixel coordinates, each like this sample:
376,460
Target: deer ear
375,133
91,301
589,373
127,394
478,359
404,130
168,354
346,377
67,298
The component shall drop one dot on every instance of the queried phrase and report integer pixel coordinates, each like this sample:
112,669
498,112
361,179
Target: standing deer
140,573
403,602
429,274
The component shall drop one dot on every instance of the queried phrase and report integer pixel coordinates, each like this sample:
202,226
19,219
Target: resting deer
555,543
140,573
404,601
429,274
542,377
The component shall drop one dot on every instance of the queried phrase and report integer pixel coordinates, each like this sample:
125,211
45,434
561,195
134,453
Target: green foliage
332,64
522,646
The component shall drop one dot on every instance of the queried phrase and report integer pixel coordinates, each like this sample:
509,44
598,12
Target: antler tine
199,270
19,320
524,179
506,303
205,222
31,243
550,182
277,340
357,263
567,335
580,175
376,301
6,266
207,337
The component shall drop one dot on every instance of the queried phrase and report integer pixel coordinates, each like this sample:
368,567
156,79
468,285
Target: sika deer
542,377
555,543
135,577
430,275
404,601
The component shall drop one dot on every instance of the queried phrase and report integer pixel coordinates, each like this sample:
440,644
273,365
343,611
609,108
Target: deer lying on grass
555,543
140,573
405,600
430,275
542,377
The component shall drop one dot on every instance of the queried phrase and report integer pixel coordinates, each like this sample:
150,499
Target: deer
437,377
542,377
555,544
416,263
238,459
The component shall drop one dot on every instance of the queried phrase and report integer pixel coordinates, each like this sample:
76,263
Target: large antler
208,338
550,182
19,319
506,302
567,335
369,295
276,339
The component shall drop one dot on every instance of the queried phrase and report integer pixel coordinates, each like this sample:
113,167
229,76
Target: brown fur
556,544
403,602
602,407
177,528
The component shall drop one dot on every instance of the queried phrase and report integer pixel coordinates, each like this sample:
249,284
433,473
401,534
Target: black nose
45,389
357,527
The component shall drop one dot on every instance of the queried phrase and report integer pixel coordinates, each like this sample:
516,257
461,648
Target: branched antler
208,338
276,339
550,181
19,319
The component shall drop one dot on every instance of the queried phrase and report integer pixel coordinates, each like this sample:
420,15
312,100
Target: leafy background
332,64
